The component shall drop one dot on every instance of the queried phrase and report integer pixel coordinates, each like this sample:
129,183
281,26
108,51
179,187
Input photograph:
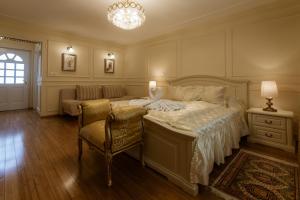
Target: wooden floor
38,160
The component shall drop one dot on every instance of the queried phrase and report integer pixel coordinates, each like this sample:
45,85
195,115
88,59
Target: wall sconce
1,37
70,49
111,55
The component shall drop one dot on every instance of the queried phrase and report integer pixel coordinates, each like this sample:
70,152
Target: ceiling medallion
126,14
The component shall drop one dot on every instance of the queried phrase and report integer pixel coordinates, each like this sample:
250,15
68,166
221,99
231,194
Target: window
11,69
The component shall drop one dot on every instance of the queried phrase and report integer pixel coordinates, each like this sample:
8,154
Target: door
14,68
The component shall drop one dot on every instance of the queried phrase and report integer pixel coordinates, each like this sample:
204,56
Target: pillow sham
214,94
186,93
88,92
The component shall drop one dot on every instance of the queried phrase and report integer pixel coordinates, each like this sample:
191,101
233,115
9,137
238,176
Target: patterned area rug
255,176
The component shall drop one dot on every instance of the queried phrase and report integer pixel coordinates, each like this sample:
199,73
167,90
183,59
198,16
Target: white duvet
217,129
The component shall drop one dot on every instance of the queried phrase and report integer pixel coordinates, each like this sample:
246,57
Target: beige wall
256,46
262,44
90,61
90,69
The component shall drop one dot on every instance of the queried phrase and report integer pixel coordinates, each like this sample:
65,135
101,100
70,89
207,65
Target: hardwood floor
38,160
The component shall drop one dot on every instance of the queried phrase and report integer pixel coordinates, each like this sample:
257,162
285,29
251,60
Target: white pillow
214,94
186,93
174,93
193,93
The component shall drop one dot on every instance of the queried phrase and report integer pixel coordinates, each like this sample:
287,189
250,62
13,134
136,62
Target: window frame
14,62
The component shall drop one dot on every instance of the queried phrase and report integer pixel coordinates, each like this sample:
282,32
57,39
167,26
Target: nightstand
271,128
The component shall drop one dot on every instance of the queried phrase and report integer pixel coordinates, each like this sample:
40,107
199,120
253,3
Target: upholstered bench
110,131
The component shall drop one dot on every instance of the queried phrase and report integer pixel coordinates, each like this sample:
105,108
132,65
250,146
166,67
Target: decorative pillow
88,92
113,91
214,94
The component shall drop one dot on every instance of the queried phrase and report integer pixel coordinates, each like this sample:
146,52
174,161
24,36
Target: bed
186,155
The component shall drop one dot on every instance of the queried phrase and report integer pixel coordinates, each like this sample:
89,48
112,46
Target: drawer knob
268,121
269,135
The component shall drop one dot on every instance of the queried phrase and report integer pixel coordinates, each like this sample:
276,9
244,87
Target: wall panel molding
268,39
267,48
204,54
162,60
55,49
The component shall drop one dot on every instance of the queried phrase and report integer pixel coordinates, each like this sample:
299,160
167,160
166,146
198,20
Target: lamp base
269,107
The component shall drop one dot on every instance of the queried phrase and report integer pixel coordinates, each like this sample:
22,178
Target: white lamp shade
152,84
269,89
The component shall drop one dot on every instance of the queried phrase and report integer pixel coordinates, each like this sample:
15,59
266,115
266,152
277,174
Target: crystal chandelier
126,14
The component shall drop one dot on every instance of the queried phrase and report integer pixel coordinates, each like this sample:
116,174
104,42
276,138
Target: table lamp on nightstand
269,91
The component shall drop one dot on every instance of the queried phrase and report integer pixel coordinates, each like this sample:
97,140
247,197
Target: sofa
69,99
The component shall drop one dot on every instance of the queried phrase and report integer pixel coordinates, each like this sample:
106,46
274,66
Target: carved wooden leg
108,163
142,154
79,148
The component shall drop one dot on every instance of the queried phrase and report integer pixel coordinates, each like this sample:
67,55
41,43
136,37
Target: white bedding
217,130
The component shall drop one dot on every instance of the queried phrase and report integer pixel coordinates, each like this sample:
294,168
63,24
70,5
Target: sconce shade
70,49
269,89
111,55
152,84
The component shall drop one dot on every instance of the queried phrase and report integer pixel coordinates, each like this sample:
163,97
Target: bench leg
108,163
142,154
79,148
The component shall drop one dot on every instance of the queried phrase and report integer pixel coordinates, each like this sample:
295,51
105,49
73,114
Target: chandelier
126,14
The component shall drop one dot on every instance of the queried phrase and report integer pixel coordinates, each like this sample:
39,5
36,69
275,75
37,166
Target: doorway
14,76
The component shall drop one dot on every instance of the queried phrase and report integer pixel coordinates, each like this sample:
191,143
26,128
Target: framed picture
109,65
68,62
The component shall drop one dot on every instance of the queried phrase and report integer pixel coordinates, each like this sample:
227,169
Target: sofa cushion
65,94
88,92
113,91
94,133
123,98
70,107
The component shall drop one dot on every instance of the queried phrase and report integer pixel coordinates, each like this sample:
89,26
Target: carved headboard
235,88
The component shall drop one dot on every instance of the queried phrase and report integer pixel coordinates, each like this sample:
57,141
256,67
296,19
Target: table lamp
269,91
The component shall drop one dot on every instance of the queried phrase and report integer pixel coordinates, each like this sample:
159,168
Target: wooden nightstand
271,128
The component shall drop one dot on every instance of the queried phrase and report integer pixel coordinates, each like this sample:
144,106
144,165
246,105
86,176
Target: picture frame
109,66
69,62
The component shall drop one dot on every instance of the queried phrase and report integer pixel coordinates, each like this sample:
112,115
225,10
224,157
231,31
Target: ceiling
88,17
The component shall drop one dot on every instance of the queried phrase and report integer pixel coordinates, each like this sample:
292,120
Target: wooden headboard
235,88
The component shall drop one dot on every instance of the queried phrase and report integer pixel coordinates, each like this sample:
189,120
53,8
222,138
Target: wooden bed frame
170,152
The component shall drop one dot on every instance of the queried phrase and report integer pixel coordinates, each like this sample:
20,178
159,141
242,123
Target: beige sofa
70,98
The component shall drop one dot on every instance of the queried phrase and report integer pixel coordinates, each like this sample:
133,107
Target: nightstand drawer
272,135
269,121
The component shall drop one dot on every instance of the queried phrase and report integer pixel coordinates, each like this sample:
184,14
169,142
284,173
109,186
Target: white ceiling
88,17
